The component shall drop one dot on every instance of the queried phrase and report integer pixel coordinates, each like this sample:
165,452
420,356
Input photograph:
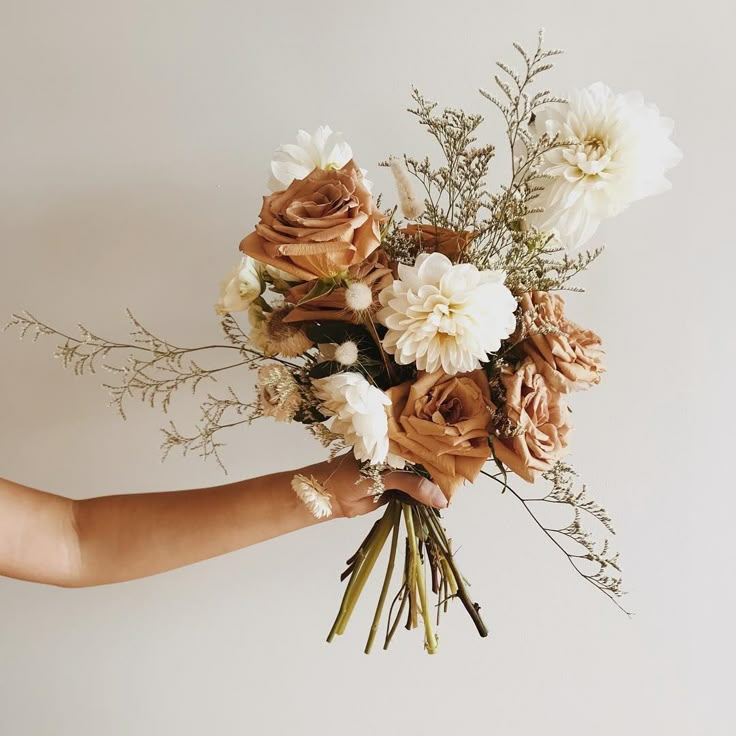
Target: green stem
403,595
418,579
361,574
462,591
358,561
396,521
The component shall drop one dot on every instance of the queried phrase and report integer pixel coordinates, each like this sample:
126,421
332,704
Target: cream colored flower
618,151
278,392
359,411
441,315
241,288
313,495
323,149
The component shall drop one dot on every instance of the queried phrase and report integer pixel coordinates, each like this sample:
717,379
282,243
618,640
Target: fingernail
437,498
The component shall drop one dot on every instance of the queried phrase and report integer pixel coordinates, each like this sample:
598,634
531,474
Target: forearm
132,536
51,539
47,538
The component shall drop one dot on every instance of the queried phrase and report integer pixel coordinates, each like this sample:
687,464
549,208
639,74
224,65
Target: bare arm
52,539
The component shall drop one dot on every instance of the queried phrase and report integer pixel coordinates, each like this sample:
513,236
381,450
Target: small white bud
359,297
411,207
347,353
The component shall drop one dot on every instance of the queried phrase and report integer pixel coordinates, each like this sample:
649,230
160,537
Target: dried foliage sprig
456,195
518,105
595,562
456,190
204,440
150,368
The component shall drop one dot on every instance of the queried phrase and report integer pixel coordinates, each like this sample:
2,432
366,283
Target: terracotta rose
567,355
450,243
442,422
374,271
541,419
317,227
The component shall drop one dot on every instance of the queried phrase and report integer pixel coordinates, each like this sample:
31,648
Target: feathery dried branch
599,555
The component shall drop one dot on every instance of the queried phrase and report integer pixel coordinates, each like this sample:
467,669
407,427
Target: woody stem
371,327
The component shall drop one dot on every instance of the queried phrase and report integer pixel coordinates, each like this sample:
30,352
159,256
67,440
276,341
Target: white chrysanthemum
359,411
241,288
441,315
619,151
323,149
313,495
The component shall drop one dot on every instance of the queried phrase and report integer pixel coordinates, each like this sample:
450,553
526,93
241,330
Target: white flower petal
323,149
444,315
359,411
619,152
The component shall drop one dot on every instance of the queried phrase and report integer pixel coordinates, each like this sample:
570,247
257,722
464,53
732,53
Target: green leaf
321,288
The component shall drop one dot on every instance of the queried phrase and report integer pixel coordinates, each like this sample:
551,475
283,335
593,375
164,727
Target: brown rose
568,356
540,418
443,423
450,243
317,227
374,272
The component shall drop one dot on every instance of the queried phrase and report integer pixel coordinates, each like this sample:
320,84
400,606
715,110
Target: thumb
420,489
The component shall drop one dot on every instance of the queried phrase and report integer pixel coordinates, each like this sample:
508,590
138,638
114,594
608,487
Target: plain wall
134,144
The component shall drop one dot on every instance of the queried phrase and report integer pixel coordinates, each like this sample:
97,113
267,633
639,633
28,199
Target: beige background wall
134,142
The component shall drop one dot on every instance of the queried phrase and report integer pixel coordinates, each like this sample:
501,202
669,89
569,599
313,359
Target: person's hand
352,497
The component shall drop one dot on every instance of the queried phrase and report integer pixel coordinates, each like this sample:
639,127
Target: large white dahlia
323,149
445,315
359,411
619,150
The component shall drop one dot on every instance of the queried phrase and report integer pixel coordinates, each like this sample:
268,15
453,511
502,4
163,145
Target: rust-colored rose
374,272
450,243
541,422
319,226
442,422
567,355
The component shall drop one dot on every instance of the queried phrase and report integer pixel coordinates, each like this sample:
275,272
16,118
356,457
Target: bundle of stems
429,569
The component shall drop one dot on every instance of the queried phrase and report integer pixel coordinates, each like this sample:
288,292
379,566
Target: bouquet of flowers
430,336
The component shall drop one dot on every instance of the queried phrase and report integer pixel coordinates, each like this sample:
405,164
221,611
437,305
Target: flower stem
462,592
418,580
395,507
371,327
360,575
403,597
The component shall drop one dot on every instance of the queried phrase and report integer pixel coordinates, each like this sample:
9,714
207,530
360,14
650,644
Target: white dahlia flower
241,288
441,315
619,150
359,411
323,149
